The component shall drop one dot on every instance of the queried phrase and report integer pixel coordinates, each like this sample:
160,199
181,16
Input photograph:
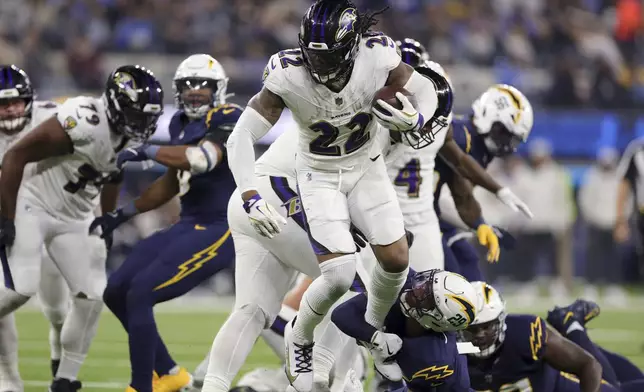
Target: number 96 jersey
68,186
336,129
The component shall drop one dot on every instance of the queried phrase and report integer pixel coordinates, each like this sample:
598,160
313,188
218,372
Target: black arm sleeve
349,318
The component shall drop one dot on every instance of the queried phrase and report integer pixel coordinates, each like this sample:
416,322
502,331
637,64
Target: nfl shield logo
338,101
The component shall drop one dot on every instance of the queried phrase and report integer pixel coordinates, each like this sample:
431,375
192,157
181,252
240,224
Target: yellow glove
488,238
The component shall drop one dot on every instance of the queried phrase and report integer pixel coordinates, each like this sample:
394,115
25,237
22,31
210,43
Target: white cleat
383,348
299,361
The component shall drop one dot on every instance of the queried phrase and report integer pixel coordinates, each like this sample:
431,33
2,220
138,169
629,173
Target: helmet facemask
500,141
330,66
418,302
196,96
15,114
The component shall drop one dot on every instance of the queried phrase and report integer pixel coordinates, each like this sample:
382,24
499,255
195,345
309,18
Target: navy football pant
461,257
624,368
163,266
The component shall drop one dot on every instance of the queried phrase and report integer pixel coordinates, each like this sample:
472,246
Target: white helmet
197,72
441,301
487,332
504,115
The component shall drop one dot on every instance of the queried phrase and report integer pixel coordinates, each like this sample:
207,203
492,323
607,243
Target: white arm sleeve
250,127
425,93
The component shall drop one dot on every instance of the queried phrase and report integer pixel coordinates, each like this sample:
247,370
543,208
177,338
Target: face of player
195,98
12,115
483,335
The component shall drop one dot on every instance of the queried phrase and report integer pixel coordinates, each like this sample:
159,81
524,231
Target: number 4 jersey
68,186
336,129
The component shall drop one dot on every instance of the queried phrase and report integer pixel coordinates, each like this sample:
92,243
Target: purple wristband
250,201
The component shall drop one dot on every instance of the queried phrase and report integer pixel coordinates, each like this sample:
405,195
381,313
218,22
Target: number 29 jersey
68,186
336,129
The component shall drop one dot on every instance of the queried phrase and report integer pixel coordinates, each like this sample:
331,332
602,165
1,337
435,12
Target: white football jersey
335,129
41,111
69,186
412,174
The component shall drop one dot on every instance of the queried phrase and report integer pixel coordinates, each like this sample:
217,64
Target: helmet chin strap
490,145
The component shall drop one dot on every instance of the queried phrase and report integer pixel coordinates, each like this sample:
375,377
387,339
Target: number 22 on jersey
322,145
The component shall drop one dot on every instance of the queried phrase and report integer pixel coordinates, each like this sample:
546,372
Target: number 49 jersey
336,129
68,186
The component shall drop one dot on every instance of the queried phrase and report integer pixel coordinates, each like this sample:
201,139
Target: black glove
108,223
358,238
7,232
506,240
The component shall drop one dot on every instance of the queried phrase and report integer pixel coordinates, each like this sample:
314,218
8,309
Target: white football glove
511,200
263,217
401,120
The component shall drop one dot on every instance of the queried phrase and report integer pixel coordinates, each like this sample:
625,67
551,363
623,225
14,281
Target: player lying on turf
75,161
570,321
19,114
173,261
521,352
431,305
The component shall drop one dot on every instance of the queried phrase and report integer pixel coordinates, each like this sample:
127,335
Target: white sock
77,334
200,372
345,360
56,319
9,375
383,292
231,347
275,338
337,276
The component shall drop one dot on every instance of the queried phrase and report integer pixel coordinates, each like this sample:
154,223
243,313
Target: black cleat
65,385
581,311
55,363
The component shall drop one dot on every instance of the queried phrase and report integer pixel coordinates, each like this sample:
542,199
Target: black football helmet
412,52
134,101
329,37
15,84
440,119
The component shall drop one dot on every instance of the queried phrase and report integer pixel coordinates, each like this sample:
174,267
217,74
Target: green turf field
189,336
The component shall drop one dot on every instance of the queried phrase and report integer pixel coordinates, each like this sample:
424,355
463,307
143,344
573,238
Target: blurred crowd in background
563,54
591,50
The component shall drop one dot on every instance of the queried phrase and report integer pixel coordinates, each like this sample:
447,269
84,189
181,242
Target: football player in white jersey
412,173
74,166
19,113
329,84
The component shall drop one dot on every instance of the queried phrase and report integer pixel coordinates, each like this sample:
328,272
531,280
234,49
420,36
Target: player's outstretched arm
262,112
49,139
564,355
160,192
466,166
469,210
194,159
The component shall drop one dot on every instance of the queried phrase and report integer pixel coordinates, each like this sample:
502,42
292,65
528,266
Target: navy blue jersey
204,197
468,139
518,364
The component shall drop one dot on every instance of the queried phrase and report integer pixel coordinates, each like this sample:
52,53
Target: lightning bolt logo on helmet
348,21
126,83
